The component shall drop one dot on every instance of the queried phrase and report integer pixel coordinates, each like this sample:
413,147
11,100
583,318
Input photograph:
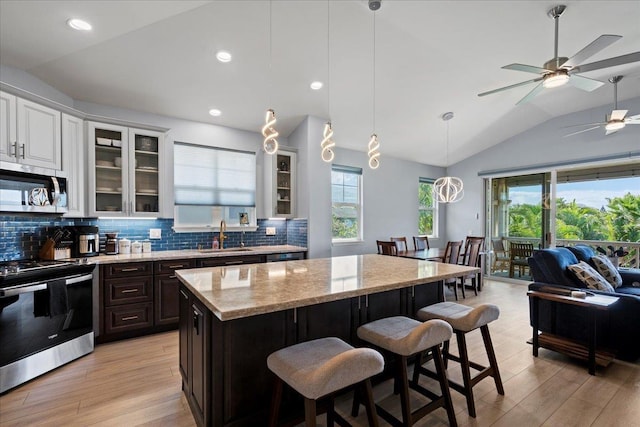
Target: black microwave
32,193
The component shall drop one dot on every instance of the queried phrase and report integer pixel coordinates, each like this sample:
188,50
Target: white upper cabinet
124,171
280,184
73,164
30,133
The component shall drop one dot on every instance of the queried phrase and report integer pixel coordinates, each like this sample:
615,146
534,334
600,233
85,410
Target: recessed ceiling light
223,56
316,85
215,112
79,24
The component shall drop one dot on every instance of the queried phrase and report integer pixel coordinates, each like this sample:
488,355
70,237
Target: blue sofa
618,329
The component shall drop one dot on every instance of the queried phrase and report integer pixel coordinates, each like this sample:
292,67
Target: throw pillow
607,270
590,277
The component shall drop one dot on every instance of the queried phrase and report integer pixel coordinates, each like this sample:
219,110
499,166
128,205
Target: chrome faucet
223,228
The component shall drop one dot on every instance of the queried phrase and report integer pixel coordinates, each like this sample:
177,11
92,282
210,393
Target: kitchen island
232,318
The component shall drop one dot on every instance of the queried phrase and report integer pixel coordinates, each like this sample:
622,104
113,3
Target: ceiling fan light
615,125
555,80
448,189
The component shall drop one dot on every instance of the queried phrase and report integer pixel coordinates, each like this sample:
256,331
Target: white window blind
209,176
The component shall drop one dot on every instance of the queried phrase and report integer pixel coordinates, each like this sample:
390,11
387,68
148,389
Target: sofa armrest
629,275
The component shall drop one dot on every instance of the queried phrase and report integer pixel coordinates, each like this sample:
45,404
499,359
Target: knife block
47,251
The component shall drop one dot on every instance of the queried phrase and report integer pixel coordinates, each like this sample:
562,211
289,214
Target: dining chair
473,247
451,255
401,243
387,248
420,243
500,259
519,254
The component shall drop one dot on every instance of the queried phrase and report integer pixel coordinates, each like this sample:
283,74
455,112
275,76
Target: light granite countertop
194,253
235,292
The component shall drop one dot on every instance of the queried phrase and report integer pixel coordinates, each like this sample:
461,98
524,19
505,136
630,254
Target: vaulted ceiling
430,57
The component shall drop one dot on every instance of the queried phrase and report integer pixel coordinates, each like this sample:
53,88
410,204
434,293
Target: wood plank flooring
137,383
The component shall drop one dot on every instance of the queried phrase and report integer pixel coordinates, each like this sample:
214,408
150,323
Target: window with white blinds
209,176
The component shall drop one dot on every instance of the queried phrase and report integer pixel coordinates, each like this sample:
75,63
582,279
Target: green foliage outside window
426,209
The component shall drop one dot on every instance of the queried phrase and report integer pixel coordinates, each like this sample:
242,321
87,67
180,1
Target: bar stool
317,369
465,319
404,337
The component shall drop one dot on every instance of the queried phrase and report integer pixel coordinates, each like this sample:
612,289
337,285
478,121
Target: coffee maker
86,241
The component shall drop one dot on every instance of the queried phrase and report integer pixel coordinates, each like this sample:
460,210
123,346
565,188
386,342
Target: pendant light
374,146
448,189
327,143
270,143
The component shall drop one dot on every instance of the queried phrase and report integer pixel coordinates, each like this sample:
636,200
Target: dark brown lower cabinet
224,371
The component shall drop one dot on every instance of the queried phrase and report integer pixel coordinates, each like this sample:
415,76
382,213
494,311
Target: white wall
543,144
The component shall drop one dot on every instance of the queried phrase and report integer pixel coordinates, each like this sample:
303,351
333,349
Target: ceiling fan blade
618,114
581,131
510,87
611,131
585,124
585,83
527,68
605,63
528,97
591,49
633,120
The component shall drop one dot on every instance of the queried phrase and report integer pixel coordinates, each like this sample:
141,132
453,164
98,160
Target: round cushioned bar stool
465,319
404,337
317,369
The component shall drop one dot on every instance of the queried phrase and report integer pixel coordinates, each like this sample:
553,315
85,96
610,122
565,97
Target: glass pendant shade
374,152
270,143
327,143
448,189
615,125
556,79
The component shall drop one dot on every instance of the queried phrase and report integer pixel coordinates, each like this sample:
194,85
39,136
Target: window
427,209
213,184
346,203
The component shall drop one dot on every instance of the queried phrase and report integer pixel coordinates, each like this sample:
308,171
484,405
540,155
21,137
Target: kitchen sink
225,250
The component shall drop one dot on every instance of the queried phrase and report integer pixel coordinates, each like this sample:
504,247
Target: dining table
437,255
431,254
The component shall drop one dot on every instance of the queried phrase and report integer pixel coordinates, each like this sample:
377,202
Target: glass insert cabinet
280,180
125,173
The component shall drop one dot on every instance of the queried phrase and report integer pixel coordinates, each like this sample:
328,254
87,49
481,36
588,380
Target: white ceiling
430,57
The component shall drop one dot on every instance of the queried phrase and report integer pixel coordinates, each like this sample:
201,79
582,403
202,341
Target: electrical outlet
155,233
271,231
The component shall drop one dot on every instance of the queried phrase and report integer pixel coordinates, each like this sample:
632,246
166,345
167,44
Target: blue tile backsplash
22,236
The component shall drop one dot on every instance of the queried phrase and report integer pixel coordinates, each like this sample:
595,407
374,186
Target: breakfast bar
233,317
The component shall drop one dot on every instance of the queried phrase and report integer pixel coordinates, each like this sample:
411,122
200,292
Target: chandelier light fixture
374,145
448,189
327,143
270,143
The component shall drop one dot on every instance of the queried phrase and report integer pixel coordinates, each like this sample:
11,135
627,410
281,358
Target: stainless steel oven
46,318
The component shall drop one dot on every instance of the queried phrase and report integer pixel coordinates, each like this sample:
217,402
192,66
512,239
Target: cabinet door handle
196,322
131,207
128,291
14,148
129,318
126,270
233,262
176,266
172,277
183,294
22,150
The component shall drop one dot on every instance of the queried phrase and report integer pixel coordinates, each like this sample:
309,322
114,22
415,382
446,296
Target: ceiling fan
560,70
616,120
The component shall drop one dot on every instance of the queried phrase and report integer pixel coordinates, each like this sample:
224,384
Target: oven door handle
23,290
74,280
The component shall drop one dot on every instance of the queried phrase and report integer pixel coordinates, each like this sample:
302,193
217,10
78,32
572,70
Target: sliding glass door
519,221
597,206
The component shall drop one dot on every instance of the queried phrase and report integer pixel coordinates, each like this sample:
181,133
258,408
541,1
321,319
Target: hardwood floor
136,382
